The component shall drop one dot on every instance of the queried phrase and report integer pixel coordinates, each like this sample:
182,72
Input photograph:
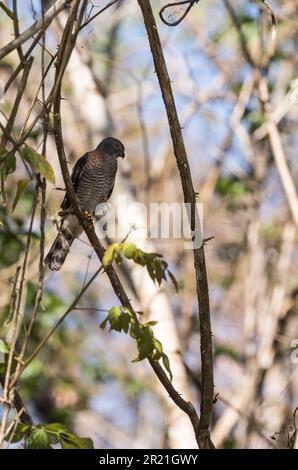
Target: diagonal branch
185,406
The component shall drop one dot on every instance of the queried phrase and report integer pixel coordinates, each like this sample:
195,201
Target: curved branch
169,5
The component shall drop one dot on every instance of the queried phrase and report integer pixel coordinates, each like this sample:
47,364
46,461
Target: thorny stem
203,434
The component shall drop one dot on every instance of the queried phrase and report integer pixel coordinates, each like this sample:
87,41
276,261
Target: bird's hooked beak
122,154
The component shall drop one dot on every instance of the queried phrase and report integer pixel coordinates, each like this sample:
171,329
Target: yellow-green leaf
38,439
22,184
70,441
166,363
7,162
108,256
129,250
38,163
112,253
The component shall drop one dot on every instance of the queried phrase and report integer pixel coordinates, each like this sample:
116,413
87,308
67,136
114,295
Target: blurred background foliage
84,377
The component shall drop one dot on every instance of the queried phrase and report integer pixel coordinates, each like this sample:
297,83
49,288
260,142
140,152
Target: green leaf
54,431
174,280
4,347
130,250
125,322
140,257
151,323
166,364
104,323
118,318
108,256
112,253
4,350
38,163
231,187
56,427
18,433
70,441
154,262
38,439
68,445
158,270
84,442
22,184
145,342
7,162
7,10
151,271
114,318
158,346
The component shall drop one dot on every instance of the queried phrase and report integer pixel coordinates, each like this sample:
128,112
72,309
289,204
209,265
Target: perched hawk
93,178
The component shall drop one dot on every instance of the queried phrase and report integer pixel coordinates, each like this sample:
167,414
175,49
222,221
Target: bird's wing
75,178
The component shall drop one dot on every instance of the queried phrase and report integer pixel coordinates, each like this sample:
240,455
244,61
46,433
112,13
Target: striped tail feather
59,250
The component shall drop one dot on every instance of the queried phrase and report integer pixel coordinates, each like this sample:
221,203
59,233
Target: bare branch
189,197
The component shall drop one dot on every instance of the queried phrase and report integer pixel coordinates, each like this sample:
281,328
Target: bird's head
112,147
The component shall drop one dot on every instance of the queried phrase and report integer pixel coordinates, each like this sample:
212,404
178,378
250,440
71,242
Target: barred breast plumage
93,178
97,181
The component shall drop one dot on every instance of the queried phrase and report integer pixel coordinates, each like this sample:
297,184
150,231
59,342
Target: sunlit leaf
166,364
112,253
38,439
56,427
129,250
38,163
21,186
124,319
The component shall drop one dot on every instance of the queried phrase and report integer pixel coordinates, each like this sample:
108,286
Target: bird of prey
93,178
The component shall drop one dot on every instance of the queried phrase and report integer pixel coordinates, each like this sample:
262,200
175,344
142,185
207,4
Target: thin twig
98,13
58,6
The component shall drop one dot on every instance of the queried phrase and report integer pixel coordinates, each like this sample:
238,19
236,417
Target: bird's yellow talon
88,216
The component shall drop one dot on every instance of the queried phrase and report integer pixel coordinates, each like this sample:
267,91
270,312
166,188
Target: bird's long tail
59,250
